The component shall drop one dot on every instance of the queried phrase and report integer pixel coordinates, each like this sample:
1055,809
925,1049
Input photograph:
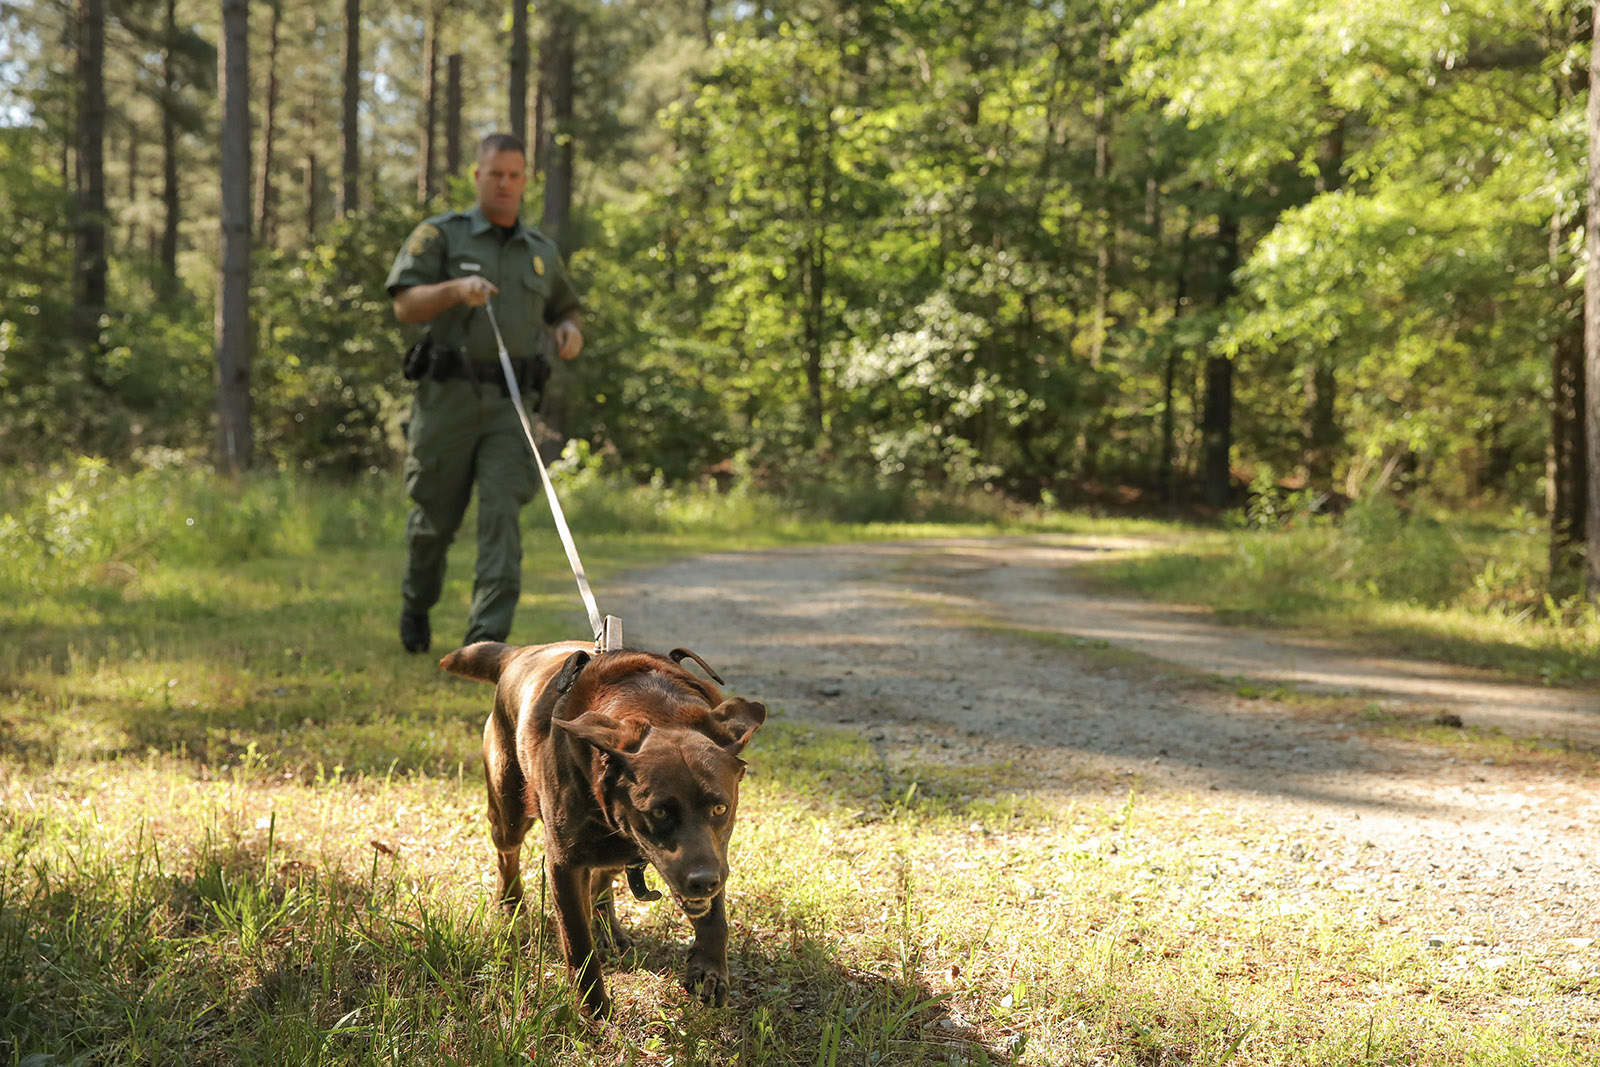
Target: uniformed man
463,425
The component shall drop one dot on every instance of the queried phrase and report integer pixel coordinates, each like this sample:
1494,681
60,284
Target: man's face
501,178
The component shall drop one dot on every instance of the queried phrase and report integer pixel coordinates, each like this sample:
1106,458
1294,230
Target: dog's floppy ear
740,718
620,739
570,671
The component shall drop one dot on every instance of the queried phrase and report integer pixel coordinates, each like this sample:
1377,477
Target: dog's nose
703,882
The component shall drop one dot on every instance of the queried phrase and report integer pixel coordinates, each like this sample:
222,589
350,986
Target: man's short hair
496,143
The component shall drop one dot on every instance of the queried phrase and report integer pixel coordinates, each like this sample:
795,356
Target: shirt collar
481,224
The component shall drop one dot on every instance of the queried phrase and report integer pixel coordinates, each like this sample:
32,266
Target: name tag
471,266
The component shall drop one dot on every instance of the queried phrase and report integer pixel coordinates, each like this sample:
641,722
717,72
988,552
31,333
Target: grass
251,918
1463,590
239,826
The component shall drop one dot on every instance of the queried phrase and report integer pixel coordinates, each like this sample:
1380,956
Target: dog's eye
719,810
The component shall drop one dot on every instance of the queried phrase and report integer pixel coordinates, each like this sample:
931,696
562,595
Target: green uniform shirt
526,267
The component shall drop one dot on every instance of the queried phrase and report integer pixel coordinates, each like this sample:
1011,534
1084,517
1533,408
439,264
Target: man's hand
424,303
569,339
475,290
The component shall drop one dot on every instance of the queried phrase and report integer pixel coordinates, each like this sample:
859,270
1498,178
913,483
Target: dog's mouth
694,907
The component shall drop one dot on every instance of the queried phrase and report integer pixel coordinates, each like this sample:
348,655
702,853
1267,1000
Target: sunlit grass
1465,593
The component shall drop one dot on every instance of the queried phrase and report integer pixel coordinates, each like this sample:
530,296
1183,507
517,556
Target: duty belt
532,373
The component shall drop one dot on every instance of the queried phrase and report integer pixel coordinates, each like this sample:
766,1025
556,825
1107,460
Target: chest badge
538,264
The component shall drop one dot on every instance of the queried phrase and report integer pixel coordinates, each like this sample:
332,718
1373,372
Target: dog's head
675,789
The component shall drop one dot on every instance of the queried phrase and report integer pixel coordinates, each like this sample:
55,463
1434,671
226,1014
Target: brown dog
629,759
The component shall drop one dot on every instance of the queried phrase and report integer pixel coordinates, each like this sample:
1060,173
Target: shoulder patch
421,239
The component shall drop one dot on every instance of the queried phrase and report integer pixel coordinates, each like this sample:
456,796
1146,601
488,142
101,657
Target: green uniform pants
462,432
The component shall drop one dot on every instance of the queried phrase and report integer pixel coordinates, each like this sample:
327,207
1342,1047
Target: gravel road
916,645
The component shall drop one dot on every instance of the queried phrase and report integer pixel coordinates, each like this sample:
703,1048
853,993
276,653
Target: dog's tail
482,661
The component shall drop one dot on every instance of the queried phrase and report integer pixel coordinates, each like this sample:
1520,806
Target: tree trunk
266,195
538,147
169,157
1591,326
132,172
814,265
131,240
234,443
557,151
89,222
430,107
311,174
452,115
816,290
517,111
309,182
1169,374
1102,184
351,132
1320,426
1217,422
560,149
1568,483
1217,432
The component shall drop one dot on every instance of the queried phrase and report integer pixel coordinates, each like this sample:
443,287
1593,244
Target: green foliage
882,256
35,292
838,266
645,386
1421,277
146,385
328,390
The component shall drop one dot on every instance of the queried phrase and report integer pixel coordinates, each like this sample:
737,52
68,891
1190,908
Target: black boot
415,633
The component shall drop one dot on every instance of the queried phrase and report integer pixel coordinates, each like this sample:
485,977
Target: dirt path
914,645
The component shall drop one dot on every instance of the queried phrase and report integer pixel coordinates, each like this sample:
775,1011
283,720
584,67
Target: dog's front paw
614,938
706,982
597,1004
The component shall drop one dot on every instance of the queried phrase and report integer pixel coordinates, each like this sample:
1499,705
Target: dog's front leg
707,973
607,928
569,890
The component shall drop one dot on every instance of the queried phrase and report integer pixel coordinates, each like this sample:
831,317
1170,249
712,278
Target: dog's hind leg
607,928
509,817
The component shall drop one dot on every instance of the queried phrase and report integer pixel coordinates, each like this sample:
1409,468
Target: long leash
607,630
